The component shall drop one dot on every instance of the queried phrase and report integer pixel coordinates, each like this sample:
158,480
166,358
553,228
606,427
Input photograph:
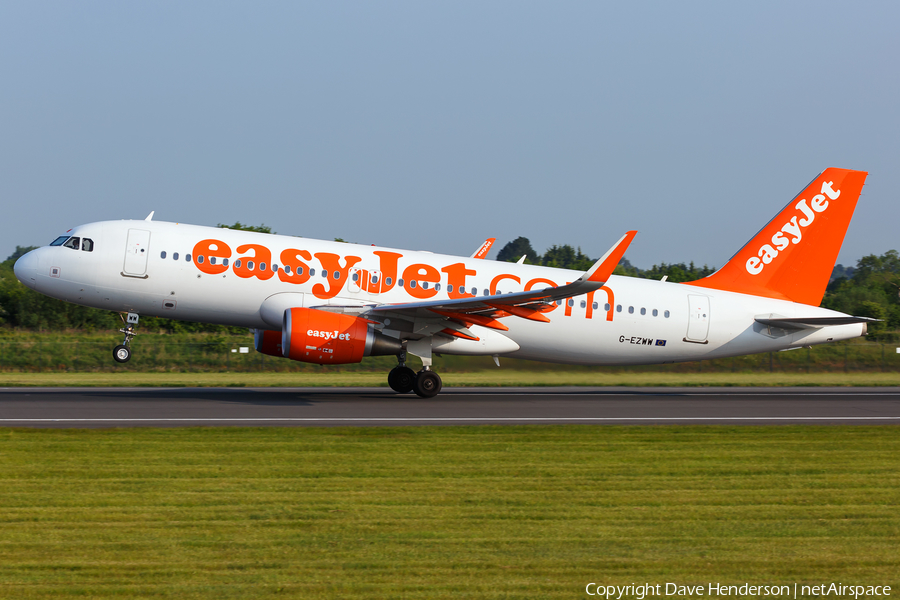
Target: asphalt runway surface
319,407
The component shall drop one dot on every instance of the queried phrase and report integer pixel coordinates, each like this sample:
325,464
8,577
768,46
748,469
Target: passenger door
137,250
698,319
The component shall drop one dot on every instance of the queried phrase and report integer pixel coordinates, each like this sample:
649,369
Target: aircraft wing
485,310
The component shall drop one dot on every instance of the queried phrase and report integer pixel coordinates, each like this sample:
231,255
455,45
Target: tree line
870,289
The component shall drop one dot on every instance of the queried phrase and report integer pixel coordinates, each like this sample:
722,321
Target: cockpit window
73,243
59,241
87,244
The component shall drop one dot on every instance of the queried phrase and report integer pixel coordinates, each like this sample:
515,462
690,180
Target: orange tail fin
792,257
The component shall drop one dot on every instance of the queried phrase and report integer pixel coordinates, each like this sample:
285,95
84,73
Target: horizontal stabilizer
811,322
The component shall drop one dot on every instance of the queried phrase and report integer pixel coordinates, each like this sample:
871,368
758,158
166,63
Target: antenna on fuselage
150,216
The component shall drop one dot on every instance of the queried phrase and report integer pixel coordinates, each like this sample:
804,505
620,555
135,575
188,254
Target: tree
872,289
566,257
241,227
19,253
515,249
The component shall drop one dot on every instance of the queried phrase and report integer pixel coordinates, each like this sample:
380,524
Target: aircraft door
137,250
698,319
354,284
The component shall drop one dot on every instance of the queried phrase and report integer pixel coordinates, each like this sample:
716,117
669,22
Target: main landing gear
426,383
122,352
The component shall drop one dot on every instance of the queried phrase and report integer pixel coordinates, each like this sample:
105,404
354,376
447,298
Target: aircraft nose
26,268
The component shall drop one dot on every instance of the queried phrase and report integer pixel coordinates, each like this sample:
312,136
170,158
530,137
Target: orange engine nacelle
326,338
268,342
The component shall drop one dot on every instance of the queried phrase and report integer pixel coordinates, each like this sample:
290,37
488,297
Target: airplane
335,303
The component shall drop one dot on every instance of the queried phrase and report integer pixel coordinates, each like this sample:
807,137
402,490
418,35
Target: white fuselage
133,268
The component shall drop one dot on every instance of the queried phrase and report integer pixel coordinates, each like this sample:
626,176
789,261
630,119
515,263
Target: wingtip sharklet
604,267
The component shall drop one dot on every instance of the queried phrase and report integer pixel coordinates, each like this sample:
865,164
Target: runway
320,407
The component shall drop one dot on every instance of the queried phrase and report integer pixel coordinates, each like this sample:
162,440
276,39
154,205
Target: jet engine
268,342
327,338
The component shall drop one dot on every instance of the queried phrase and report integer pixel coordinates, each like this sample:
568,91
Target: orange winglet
476,319
522,311
603,270
485,248
460,334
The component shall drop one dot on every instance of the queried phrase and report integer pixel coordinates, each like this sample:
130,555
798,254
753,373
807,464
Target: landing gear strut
122,352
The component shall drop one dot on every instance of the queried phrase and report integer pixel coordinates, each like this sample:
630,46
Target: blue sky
433,125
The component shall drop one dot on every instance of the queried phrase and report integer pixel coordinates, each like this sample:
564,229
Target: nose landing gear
122,352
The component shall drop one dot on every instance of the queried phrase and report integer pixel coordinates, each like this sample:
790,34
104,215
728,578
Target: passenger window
595,306
425,286
437,287
354,277
583,304
570,302
162,254
87,244
324,274
299,270
262,266
225,262
212,260
337,275
400,282
487,292
187,258
643,311
175,256
655,313
606,307
618,308
250,265
237,264
666,314
559,302
474,291
630,310
312,272
374,277
275,268
200,259
412,283
73,243
287,269
387,281
59,241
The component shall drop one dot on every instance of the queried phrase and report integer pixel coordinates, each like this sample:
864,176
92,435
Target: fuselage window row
88,246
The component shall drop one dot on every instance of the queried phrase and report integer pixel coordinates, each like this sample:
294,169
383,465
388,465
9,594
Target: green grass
442,512
492,378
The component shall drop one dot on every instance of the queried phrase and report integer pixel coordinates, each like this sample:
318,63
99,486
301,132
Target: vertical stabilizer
792,257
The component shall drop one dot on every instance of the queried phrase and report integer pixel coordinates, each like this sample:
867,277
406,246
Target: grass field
496,377
442,512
